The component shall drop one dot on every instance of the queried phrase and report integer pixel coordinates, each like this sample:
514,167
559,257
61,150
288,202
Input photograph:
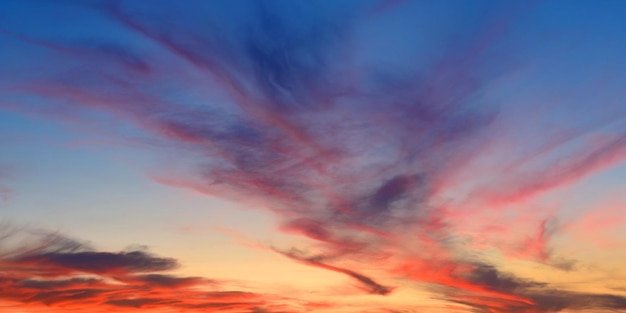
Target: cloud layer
40,270
392,150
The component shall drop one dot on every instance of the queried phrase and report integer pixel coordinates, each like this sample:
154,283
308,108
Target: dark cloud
557,300
64,296
367,283
493,279
139,302
58,284
49,252
530,296
168,281
46,270
102,262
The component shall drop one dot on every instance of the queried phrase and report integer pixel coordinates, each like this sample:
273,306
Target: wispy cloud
46,270
287,106
370,285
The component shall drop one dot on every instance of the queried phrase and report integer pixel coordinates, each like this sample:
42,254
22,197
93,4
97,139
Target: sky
377,156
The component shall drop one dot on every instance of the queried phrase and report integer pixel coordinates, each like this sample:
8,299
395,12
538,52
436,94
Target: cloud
43,270
373,146
597,156
166,281
540,296
370,285
100,262
58,284
488,275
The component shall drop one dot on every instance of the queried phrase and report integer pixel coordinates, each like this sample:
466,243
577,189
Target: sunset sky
284,156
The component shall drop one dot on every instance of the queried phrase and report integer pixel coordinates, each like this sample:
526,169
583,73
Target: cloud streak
43,270
370,285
